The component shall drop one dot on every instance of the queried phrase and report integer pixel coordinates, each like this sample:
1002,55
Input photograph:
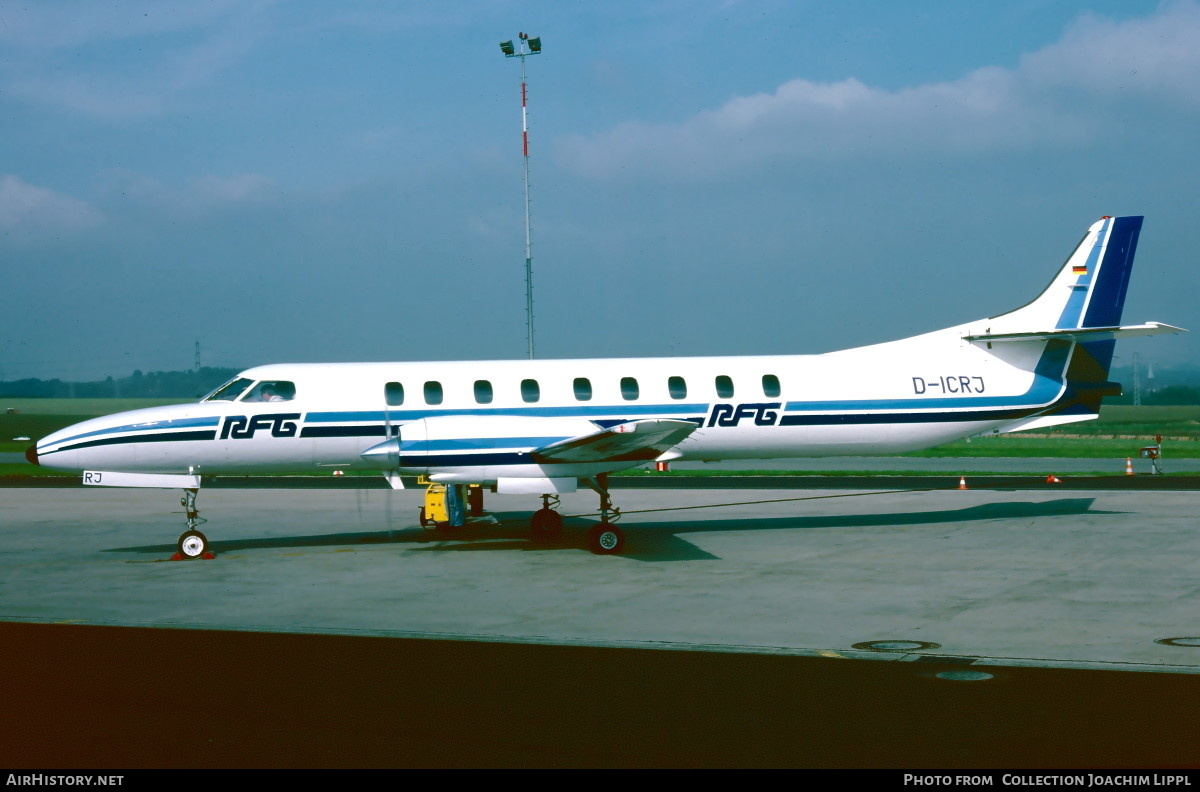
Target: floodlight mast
527,46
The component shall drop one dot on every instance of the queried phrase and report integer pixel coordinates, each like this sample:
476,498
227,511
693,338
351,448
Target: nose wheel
192,543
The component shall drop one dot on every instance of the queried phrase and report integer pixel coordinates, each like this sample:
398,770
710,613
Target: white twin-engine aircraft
539,427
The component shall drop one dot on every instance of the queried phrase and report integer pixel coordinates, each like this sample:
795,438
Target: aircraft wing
634,441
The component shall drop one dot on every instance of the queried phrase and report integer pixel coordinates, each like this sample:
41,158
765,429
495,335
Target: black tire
606,539
192,544
546,524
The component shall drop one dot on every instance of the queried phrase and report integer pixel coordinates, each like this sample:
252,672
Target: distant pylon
962,482
1053,479
1128,466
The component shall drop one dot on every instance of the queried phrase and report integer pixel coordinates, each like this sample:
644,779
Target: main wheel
546,524
606,539
192,544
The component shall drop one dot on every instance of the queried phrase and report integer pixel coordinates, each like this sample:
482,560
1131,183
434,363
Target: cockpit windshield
271,391
229,391
264,391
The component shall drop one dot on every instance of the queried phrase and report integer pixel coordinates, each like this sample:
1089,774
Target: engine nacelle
473,441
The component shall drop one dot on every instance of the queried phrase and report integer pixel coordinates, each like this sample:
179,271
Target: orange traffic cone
1053,479
1128,466
962,482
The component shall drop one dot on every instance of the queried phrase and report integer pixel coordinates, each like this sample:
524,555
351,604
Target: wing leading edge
634,441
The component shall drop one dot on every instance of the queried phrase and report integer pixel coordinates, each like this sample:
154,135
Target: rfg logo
241,427
764,414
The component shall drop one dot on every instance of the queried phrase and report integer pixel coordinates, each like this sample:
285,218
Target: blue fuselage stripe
153,437
175,424
476,444
577,411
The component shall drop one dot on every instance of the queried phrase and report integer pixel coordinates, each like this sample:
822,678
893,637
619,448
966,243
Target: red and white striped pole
527,46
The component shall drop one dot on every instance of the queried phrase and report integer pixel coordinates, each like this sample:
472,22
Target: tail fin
1083,306
1089,290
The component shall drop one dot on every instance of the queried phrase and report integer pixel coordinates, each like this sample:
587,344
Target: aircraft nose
32,455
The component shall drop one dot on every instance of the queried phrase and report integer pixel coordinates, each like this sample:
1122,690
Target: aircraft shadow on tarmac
646,541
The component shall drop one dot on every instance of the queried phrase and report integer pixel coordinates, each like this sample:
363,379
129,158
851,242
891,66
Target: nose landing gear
192,543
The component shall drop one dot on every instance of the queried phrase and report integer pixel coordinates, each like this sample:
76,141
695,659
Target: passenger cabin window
229,391
770,385
677,387
530,391
271,391
393,394
583,389
724,387
433,392
629,388
483,392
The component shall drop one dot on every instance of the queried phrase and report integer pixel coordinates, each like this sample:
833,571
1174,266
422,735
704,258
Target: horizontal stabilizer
1081,333
632,441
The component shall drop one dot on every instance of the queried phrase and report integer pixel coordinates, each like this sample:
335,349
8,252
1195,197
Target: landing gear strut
192,543
605,538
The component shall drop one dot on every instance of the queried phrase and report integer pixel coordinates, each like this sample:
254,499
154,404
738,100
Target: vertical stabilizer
1087,293
1089,290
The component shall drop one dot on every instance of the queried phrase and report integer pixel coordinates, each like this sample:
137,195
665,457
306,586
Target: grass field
1120,432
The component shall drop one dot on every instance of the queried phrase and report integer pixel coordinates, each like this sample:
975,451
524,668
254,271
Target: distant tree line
1170,396
155,385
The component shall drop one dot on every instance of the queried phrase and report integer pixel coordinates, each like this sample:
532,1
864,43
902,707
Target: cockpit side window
229,391
271,391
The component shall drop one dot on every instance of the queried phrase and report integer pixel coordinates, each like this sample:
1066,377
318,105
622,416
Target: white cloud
198,197
141,76
28,210
1158,56
1058,96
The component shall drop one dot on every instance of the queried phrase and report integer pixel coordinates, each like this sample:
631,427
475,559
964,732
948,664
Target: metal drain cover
1189,640
895,646
964,676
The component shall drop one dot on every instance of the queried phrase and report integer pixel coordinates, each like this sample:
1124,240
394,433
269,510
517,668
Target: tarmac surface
780,627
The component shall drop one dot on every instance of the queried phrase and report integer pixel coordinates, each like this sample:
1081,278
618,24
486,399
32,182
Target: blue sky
311,181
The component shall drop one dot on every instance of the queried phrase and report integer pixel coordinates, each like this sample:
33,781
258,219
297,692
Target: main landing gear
546,522
603,539
192,543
